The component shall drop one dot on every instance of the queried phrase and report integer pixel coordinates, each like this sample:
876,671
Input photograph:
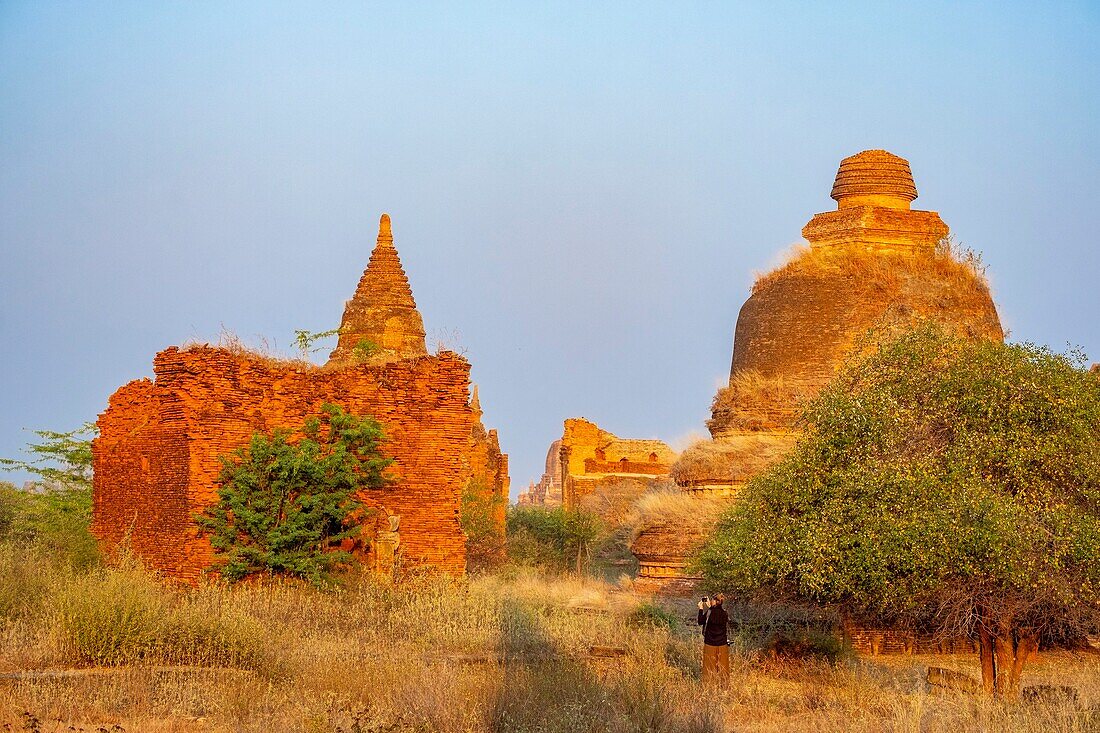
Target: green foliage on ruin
305,340
285,504
364,349
54,513
939,480
477,515
553,539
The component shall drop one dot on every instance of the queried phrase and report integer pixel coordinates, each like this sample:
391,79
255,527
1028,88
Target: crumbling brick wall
591,457
156,458
489,471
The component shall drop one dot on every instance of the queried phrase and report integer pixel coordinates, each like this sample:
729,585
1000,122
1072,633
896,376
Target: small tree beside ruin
285,506
939,481
478,512
56,512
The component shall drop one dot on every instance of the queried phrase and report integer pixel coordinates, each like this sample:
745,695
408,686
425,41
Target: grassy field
113,649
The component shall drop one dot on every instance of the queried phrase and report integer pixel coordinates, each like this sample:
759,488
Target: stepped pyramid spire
381,322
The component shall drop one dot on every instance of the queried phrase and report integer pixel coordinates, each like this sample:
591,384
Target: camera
704,599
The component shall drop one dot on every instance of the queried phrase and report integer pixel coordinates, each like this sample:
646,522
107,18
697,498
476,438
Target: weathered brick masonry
156,460
156,457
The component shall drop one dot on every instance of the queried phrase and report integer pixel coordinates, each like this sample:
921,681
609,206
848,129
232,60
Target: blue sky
580,193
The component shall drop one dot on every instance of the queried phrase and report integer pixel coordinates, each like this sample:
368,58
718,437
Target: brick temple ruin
588,459
874,262
156,458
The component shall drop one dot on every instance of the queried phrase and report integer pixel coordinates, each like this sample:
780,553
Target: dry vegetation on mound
947,284
508,652
673,508
949,266
732,460
752,401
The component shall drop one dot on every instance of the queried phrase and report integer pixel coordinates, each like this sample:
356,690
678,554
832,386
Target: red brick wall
156,459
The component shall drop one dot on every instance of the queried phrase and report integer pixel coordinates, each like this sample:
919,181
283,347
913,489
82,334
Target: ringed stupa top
874,177
873,191
381,322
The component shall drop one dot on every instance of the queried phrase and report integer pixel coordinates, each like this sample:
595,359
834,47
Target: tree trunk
1012,648
1027,643
1002,646
989,665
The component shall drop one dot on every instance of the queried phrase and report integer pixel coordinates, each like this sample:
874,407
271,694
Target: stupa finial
385,234
876,178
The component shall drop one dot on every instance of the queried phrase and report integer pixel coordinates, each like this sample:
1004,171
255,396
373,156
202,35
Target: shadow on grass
545,690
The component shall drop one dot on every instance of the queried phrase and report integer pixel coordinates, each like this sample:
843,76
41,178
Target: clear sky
580,194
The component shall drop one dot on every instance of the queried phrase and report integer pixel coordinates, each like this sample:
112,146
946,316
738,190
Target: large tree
939,480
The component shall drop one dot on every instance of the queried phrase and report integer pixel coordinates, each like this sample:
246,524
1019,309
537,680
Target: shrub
124,616
650,615
479,513
553,539
285,507
54,514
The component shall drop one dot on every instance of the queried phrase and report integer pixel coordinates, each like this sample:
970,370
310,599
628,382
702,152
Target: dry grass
507,652
674,508
730,459
958,268
752,401
262,351
947,284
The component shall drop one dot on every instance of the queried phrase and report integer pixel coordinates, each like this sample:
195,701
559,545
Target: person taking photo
716,645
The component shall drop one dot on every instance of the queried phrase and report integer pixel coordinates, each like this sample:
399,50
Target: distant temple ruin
156,459
587,459
872,263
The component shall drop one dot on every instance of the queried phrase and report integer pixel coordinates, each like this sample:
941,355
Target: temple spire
475,405
381,322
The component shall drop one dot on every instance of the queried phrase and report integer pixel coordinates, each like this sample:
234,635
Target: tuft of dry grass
681,514
261,352
949,263
730,459
501,653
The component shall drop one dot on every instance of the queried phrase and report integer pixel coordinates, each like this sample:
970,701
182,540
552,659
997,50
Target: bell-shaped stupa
873,263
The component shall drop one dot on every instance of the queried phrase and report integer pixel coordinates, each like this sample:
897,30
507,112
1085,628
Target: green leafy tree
57,512
939,481
286,505
555,539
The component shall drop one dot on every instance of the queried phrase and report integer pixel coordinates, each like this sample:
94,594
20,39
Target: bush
54,519
805,642
285,507
55,513
124,616
552,539
941,481
479,514
650,615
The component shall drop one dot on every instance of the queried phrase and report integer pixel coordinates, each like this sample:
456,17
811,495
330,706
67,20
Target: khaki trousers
716,665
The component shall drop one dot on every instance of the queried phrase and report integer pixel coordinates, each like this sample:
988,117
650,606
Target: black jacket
714,620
